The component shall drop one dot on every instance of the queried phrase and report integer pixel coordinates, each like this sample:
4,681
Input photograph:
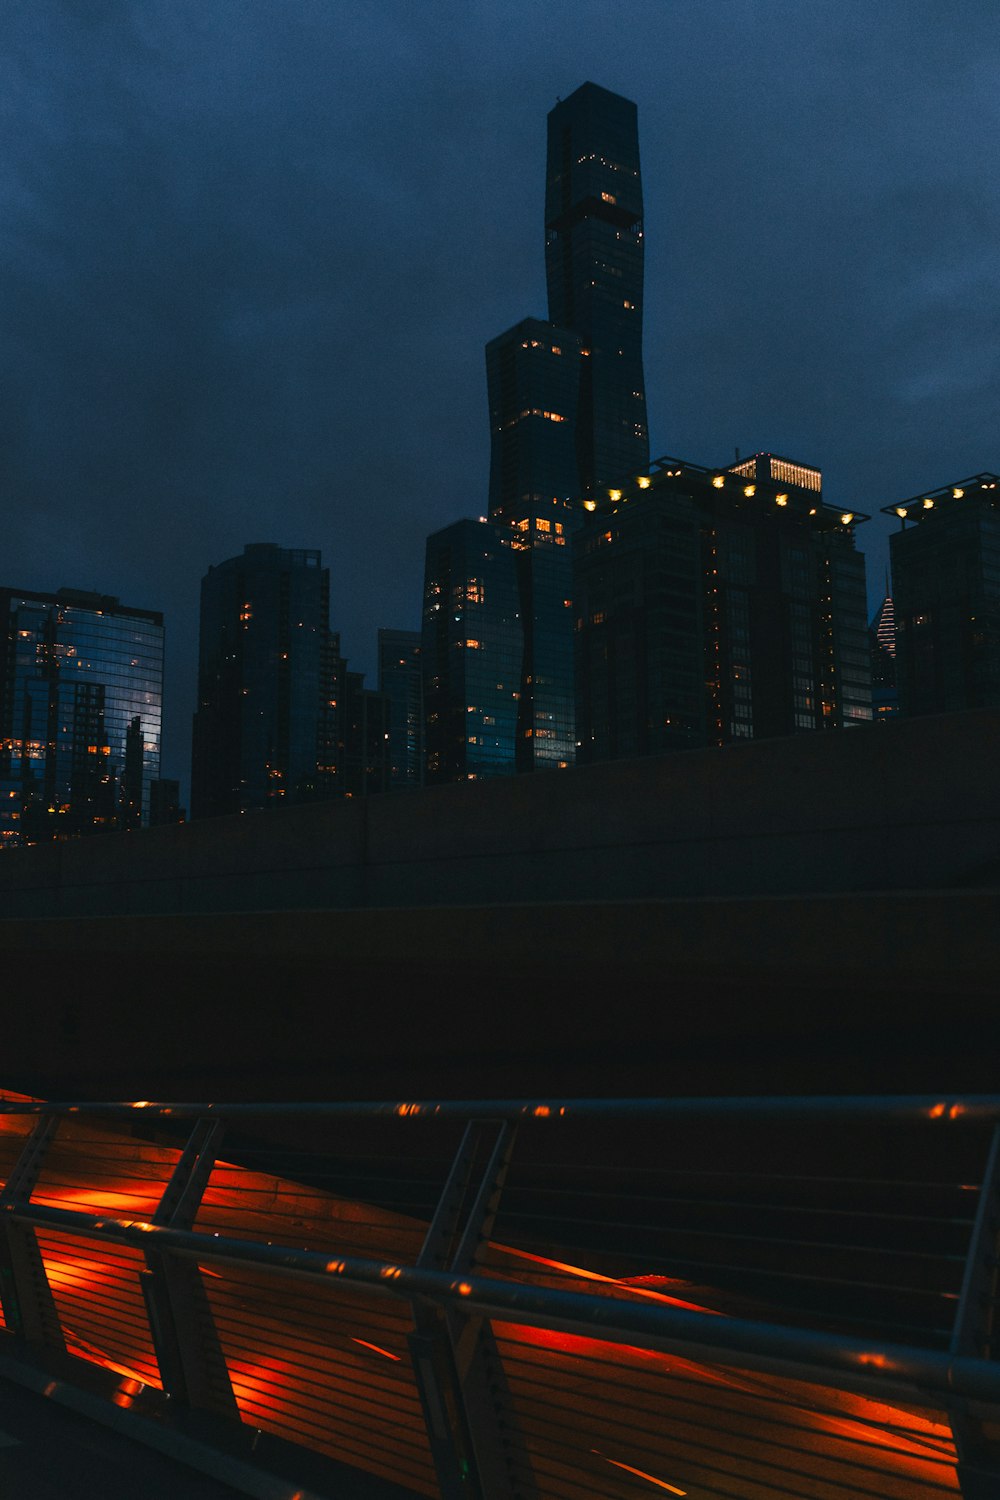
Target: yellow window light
847,518
957,493
928,503
644,481
590,505
718,481
615,494
749,489
779,499
901,512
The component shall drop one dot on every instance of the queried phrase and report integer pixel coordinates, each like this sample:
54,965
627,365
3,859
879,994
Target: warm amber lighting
749,489
644,481
781,500
590,505
901,512
640,1473
847,518
718,481
957,493
615,494
928,503
376,1348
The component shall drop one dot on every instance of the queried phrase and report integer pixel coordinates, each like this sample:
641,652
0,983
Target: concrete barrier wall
885,993
912,804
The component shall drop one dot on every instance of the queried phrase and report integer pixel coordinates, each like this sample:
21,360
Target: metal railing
730,1297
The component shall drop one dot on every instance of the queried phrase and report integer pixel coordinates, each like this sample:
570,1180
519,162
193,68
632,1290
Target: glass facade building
472,652
594,273
567,398
81,694
715,605
946,591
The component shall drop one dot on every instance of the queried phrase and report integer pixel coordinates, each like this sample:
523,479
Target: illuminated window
609,198
544,525
472,645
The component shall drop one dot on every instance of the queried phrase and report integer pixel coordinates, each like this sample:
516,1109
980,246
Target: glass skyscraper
567,397
472,650
81,693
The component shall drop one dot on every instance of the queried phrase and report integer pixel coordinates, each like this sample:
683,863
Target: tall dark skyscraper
946,592
533,384
593,267
265,727
81,693
567,397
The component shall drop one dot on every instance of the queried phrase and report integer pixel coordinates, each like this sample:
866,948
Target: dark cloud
253,253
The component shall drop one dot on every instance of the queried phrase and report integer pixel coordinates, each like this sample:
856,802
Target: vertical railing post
459,1374
975,1334
29,1307
191,1361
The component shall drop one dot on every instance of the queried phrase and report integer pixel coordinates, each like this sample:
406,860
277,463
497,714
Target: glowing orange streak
377,1348
97,1356
640,1472
921,1447
584,1275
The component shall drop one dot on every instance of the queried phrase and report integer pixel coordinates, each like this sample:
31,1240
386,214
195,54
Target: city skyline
207,350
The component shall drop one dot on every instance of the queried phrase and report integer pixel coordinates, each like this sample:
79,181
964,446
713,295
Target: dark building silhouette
279,717
946,592
165,802
567,414
472,649
400,680
363,745
81,694
714,605
594,273
264,728
533,385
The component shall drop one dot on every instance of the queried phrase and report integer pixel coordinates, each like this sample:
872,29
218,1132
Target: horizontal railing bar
900,1108
605,1318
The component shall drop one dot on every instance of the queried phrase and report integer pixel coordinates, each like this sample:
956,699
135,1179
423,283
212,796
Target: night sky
253,250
